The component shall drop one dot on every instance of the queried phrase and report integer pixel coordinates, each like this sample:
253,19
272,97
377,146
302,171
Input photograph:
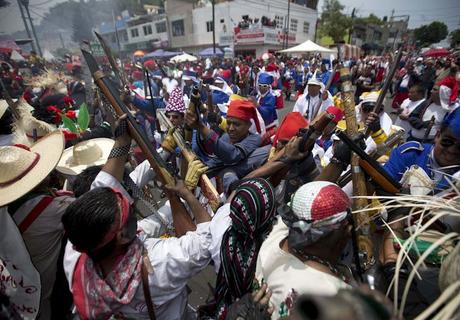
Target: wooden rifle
163,172
194,106
365,245
393,140
428,129
386,85
108,52
209,190
371,167
307,141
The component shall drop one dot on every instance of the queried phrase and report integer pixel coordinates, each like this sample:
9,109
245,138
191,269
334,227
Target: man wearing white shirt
416,97
314,100
105,257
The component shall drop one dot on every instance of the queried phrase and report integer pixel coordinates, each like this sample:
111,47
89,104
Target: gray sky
420,11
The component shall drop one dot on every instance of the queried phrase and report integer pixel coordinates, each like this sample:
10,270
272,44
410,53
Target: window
293,27
161,27
306,27
134,33
147,29
279,22
209,26
178,28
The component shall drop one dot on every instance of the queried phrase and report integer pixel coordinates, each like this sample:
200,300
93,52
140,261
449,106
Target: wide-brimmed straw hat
23,168
94,152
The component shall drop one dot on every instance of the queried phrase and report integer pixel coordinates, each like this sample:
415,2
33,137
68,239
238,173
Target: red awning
8,46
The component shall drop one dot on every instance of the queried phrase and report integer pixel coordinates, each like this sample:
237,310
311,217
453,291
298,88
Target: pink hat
176,101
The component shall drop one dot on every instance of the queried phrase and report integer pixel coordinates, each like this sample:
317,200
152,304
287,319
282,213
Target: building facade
248,27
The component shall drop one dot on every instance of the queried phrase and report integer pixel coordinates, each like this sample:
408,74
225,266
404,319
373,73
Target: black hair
6,122
420,89
43,114
83,181
88,219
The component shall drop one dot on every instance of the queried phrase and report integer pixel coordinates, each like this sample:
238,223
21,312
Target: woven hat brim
66,164
50,149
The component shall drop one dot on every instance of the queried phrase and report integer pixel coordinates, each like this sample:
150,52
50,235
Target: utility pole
351,27
286,33
26,26
26,6
213,28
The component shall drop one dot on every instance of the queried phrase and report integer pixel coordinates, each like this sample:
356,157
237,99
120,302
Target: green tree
334,22
430,33
455,38
371,19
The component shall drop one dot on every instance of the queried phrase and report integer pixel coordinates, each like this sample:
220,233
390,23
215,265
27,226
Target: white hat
315,81
21,170
369,96
94,152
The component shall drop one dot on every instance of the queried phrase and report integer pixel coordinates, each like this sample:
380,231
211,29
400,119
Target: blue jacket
409,154
267,108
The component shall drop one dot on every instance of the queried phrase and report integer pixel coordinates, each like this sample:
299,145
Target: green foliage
69,124
455,38
334,23
430,33
83,117
371,19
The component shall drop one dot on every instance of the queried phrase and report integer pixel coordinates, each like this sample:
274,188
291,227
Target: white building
239,24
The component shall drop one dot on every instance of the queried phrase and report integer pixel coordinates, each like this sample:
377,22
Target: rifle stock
386,86
358,178
372,167
156,162
209,190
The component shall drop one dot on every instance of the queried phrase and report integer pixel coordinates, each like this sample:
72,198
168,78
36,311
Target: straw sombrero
94,152
21,170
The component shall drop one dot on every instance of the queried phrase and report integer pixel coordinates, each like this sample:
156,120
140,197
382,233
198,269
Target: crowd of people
117,191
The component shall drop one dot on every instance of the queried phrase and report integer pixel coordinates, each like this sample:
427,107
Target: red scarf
97,297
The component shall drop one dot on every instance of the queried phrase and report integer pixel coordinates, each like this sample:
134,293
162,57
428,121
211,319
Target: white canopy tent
307,46
183,58
48,56
16,56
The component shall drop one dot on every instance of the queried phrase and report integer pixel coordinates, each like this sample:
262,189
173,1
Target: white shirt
174,261
283,272
433,110
304,102
219,224
408,106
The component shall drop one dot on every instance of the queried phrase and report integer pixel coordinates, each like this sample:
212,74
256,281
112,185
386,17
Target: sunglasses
368,106
264,85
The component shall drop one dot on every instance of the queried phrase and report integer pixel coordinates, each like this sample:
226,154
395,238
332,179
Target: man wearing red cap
232,155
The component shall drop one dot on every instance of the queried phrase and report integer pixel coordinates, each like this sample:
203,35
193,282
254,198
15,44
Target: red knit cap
245,110
226,74
289,127
271,67
338,114
452,84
